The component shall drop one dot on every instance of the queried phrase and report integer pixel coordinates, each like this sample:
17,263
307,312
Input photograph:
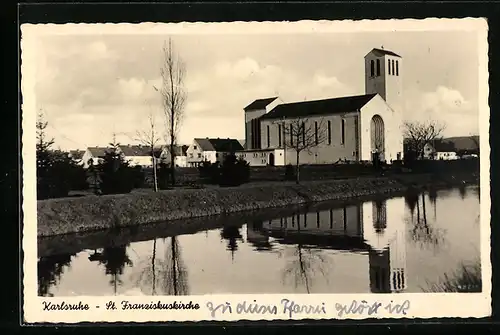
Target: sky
90,86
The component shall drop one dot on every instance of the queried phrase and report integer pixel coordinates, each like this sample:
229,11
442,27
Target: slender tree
43,143
150,138
419,134
303,134
174,96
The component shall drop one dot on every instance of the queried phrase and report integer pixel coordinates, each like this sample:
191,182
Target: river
400,244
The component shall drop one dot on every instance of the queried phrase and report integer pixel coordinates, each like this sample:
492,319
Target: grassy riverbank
73,215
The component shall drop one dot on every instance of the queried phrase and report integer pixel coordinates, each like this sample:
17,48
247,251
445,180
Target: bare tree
303,134
174,97
419,134
150,138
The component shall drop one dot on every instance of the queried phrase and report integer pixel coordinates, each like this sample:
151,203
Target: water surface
399,244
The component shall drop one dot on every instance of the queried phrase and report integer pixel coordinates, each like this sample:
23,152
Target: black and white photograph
334,160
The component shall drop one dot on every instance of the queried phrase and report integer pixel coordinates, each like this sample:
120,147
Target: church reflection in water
375,229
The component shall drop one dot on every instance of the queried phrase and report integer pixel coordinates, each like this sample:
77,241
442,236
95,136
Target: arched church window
372,68
393,65
389,66
397,68
378,67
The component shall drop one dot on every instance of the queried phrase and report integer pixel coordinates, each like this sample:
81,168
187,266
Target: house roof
319,107
464,142
76,154
260,103
219,144
135,150
98,151
180,150
444,146
383,52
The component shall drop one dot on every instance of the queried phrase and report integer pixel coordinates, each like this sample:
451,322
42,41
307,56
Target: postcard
255,171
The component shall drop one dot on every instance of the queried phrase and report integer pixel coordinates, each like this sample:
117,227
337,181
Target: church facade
326,131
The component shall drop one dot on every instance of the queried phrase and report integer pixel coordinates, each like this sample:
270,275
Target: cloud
445,105
224,90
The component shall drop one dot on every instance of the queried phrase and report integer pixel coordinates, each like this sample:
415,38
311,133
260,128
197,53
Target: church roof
219,144
260,103
383,52
319,107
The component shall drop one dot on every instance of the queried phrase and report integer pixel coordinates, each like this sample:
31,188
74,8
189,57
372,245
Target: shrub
164,175
289,172
57,174
138,177
209,173
115,173
234,171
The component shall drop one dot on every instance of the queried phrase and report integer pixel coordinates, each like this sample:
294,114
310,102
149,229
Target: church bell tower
384,75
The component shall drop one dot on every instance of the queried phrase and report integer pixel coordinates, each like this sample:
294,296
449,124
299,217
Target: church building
351,128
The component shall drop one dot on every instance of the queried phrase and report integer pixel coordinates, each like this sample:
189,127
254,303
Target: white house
180,159
352,128
211,150
94,155
138,155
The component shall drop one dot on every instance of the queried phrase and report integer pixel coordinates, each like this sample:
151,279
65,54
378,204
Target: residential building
211,150
93,155
352,128
180,158
138,155
77,156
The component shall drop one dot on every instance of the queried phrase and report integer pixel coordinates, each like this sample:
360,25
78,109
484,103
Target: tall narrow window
316,140
303,134
291,134
342,138
331,219
268,137
393,65
389,66
378,67
329,132
372,68
345,218
279,135
397,68
317,219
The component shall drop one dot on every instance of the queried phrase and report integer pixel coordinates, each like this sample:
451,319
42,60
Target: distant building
180,159
93,155
134,154
211,150
356,127
77,156
138,155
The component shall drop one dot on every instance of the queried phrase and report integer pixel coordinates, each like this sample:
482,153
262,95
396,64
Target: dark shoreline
96,214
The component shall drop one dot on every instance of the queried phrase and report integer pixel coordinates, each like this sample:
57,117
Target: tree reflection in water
232,234
422,233
305,264
50,270
167,275
114,259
